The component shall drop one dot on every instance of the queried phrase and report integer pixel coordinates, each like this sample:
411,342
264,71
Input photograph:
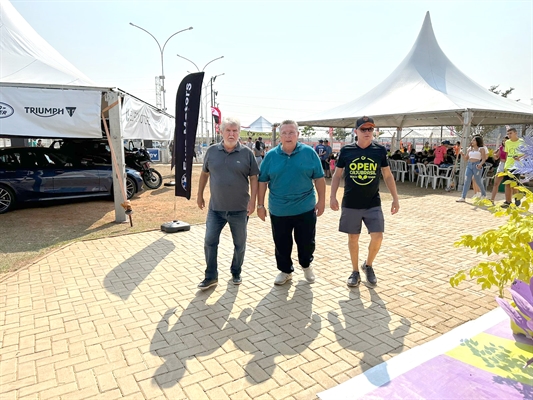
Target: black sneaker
236,279
354,280
506,204
369,273
207,283
517,202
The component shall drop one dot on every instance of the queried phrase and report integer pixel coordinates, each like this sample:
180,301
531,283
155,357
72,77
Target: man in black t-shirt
365,161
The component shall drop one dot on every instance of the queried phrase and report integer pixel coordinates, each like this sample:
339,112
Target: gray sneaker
309,274
354,280
282,278
369,273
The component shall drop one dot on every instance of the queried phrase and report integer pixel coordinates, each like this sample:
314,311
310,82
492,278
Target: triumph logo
6,110
184,182
47,112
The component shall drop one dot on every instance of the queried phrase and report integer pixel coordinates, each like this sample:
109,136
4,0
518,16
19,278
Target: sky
283,59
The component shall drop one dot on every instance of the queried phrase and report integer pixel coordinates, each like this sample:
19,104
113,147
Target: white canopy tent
260,125
44,95
427,89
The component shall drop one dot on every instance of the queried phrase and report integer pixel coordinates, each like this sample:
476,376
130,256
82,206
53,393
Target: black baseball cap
320,141
326,141
367,121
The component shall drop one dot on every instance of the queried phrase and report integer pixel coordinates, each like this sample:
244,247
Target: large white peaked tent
426,89
260,125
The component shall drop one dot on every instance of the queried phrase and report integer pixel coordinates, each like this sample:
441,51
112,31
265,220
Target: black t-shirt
362,170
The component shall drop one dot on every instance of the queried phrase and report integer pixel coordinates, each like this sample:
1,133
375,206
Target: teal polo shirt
290,179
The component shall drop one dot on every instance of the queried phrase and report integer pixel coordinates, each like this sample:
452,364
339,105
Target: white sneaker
460,200
282,278
475,195
309,274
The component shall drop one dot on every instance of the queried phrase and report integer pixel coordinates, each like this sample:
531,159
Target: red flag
217,115
331,134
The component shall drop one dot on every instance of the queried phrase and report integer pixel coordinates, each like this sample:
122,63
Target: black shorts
508,178
352,219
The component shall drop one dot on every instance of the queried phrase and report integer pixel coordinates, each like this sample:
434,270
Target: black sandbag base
175,226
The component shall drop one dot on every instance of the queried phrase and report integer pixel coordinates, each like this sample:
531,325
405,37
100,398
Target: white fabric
140,121
260,125
426,89
53,113
27,58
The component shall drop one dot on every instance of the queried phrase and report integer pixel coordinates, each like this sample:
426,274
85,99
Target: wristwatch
259,206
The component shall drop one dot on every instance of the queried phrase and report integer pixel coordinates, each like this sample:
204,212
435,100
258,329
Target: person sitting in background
397,155
429,158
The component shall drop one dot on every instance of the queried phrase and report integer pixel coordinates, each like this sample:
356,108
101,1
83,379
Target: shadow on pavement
128,275
282,326
366,331
200,329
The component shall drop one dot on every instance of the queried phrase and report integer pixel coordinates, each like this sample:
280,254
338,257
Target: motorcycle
139,160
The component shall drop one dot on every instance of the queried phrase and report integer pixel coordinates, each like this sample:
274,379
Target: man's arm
253,194
391,185
320,186
335,182
261,191
204,176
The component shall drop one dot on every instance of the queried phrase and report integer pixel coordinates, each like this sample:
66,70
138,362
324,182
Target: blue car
37,174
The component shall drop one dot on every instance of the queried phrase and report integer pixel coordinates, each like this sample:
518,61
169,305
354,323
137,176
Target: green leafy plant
512,241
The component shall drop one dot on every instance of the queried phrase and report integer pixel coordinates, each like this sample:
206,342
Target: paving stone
121,316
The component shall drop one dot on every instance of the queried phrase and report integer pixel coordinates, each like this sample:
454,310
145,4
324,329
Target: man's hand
319,208
334,204
251,207
261,213
200,202
395,207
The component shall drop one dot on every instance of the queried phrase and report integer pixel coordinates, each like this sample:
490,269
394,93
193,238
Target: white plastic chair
401,169
433,175
422,174
447,177
485,178
393,167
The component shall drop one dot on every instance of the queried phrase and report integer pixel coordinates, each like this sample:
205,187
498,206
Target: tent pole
468,115
119,177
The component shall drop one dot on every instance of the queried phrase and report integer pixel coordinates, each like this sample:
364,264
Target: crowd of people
240,175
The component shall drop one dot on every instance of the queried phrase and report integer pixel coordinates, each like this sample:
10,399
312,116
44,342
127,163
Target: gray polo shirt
228,176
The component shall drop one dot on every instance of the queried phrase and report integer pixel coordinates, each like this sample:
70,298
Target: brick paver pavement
121,317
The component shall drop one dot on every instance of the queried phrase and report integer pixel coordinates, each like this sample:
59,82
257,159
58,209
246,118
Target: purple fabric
503,330
444,377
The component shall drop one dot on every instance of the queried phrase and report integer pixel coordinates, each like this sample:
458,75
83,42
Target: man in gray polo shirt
233,170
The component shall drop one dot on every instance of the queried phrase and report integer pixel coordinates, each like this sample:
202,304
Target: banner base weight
175,226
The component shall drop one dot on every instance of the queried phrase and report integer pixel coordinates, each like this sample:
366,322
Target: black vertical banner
187,111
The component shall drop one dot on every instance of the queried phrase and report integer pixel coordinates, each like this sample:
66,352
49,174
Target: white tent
46,96
426,89
43,95
260,125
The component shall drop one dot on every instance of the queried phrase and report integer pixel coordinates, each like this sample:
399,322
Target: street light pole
211,85
161,51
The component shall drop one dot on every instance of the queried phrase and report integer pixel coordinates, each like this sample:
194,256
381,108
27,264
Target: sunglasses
367,129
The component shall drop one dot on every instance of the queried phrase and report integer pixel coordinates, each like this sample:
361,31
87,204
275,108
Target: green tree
340,133
308,131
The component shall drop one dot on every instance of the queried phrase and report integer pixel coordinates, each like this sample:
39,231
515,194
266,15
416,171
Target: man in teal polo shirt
289,170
